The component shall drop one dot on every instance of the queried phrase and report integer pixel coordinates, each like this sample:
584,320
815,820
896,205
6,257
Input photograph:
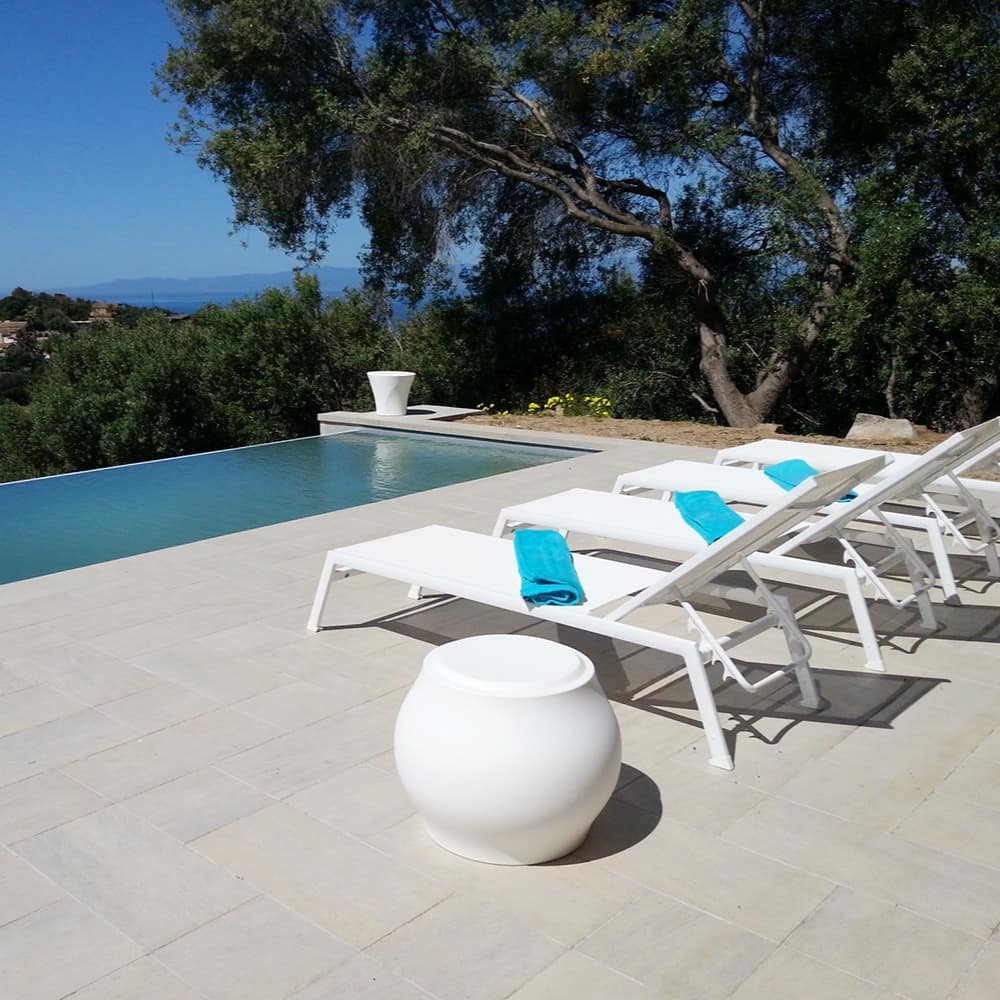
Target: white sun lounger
937,495
659,524
904,479
483,568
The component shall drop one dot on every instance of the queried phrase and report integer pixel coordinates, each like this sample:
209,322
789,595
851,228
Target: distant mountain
333,280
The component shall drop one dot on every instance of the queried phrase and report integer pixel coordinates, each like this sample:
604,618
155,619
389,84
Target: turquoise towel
789,474
546,567
706,512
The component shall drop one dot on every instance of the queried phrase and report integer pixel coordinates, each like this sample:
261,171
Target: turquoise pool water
62,522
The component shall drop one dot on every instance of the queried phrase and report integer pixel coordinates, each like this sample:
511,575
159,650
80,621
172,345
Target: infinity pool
62,522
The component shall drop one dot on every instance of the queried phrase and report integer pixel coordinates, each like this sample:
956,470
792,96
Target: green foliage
21,456
44,311
571,405
20,364
257,371
611,339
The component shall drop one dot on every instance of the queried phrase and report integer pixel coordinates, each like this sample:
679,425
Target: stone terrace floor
197,797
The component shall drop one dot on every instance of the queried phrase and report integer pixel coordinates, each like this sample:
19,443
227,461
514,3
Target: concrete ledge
420,422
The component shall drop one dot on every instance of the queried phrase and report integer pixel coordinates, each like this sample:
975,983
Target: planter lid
398,374
509,666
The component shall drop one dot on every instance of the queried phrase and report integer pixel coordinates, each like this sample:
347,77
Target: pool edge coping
485,432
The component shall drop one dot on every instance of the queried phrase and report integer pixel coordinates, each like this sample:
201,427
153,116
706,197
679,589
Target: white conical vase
391,390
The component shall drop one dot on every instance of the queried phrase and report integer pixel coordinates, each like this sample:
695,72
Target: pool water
62,522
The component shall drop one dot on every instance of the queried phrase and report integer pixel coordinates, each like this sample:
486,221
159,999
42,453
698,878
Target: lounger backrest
908,480
758,530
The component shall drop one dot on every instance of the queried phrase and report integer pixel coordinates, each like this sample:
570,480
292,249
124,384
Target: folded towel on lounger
789,474
707,513
546,567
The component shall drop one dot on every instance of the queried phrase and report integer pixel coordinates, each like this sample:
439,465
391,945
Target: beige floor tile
375,673
935,884
988,750
135,876
22,889
410,844
575,975
83,673
980,982
42,802
360,978
33,706
789,975
32,611
346,887
619,827
676,950
565,900
221,677
134,767
246,639
298,704
11,680
463,950
361,800
88,949
165,632
259,951
56,743
158,707
88,622
757,894
885,944
30,639
953,824
195,804
878,776
976,779
293,762
146,979
699,796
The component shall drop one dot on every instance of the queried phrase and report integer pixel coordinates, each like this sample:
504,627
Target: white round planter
391,391
508,748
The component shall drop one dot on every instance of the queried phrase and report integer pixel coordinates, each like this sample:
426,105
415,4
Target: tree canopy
726,144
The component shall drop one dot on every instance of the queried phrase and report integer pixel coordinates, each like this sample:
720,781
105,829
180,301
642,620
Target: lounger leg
863,623
942,565
992,560
807,687
718,751
322,589
799,650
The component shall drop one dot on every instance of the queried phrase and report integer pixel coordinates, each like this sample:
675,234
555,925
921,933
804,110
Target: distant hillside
333,280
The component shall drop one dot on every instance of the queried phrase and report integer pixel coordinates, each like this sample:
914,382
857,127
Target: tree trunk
714,364
975,402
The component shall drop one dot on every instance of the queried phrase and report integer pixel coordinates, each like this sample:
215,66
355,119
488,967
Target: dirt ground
679,432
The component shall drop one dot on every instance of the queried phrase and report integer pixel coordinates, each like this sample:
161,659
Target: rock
871,427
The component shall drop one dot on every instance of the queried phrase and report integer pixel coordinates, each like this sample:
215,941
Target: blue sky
89,189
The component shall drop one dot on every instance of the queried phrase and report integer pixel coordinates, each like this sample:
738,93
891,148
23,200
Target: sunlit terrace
198,797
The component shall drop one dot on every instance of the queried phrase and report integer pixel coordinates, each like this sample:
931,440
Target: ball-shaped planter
508,748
